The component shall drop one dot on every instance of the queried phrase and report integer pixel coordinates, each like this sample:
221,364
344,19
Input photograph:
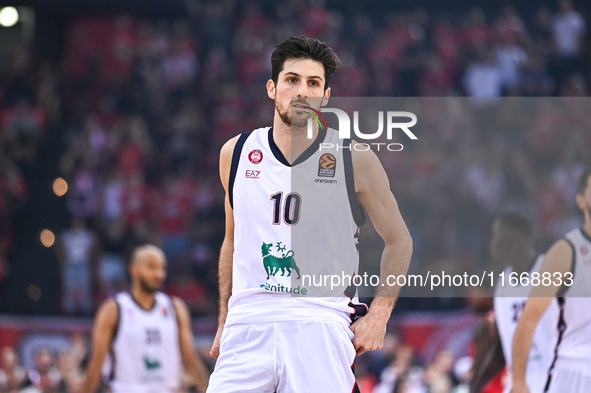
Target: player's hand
369,333
519,387
214,352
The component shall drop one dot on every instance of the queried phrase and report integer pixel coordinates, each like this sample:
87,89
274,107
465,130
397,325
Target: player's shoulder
562,246
176,300
559,257
108,312
362,154
180,308
366,164
109,304
228,147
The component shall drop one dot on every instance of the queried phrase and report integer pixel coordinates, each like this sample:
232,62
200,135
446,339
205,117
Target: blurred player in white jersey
512,246
567,266
269,340
146,333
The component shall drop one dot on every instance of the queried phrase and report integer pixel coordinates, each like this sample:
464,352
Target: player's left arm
373,192
558,260
192,363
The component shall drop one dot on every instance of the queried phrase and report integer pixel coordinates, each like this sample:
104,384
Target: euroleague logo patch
255,156
327,165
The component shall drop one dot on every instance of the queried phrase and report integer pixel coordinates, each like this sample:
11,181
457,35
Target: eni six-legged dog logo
284,263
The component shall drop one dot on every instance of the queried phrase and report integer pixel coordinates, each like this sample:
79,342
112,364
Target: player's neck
587,226
290,140
523,262
144,299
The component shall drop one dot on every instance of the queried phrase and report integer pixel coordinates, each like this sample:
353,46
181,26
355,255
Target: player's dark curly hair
516,222
302,47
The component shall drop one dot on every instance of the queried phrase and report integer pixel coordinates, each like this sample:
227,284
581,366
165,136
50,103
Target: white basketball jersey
145,355
292,221
508,305
575,343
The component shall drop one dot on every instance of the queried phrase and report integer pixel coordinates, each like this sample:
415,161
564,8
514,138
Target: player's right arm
558,259
105,324
227,251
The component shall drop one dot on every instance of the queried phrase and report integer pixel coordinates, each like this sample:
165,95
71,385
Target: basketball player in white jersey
512,245
146,333
269,340
569,263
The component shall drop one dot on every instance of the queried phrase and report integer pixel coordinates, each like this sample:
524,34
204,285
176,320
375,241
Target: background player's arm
192,363
227,251
373,191
105,324
558,259
489,360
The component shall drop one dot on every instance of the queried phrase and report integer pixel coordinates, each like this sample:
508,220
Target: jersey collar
304,156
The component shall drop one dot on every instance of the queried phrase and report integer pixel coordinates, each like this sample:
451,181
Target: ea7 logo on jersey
327,165
252,174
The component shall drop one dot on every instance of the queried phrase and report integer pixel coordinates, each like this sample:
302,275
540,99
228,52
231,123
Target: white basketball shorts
285,357
570,376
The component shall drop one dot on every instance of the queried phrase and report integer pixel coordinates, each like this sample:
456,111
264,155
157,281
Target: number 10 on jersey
292,204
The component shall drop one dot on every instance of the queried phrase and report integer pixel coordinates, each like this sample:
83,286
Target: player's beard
300,119
147,287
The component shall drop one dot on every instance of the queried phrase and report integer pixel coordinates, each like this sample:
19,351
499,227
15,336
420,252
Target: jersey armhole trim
107,379
564,289
561,327
178,321
234,166
175,311
116,331
356,208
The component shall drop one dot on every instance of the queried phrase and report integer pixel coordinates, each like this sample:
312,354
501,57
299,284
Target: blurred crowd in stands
140,108
396,368
50,373
59,371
